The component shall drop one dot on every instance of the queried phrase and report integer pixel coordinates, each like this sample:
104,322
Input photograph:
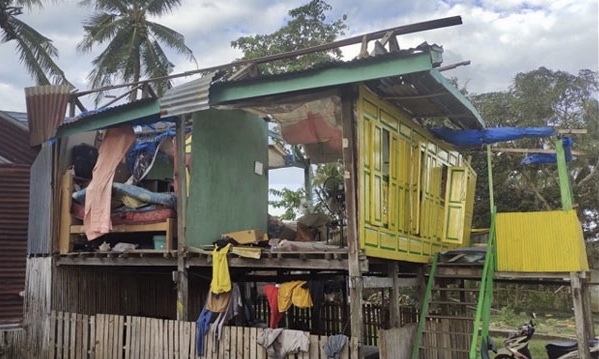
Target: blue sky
500,37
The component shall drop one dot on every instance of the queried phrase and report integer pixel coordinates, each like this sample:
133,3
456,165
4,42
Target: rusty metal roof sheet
14,141
46,108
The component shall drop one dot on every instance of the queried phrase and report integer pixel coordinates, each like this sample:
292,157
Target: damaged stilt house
160,212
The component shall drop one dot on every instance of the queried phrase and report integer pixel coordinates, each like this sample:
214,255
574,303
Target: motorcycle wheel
503,356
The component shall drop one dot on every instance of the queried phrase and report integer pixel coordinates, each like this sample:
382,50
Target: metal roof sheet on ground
189,97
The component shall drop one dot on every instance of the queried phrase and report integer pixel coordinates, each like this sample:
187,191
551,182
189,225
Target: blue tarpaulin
489,135
538,158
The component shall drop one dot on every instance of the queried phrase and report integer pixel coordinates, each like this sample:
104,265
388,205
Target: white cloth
281,342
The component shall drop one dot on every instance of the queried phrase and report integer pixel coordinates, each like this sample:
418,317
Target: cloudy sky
500,37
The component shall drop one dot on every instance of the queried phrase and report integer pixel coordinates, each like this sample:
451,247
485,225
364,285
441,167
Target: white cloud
501,38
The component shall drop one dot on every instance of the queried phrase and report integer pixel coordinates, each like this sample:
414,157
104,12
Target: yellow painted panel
388,241
366,189
370,109
403,244
540,242
415,246
453,223
405,131
388,120
371,237
367,142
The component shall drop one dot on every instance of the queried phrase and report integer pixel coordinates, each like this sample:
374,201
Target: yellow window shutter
459,201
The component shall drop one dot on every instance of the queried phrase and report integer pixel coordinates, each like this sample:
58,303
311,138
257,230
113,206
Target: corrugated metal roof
140,112
14,216
540,242
187,98
14,141
429,94
46,108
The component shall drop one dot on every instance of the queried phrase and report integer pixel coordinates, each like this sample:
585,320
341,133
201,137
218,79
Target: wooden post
564,176
394,309
586,306
356,285
579,315
180,177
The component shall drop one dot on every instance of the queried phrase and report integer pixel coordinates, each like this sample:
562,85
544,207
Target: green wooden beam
344,73
564,177
139,112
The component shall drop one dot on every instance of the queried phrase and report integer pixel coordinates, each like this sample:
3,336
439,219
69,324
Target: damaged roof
406,78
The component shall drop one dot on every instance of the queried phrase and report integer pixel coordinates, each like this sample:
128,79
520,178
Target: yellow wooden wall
416,195
540,242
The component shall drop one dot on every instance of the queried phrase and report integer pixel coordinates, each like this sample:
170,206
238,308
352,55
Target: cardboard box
245,237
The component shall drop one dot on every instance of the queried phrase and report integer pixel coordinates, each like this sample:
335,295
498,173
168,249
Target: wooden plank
121,333
66,189
322,340
192,335
581,331
127,346
92,337
52,334
261,351
59,333
160,339
252,345
171,339
246,343
135,338
185,340
99,347
142,338
314,351
78,340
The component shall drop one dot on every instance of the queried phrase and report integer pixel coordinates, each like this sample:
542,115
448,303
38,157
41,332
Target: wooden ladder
446,325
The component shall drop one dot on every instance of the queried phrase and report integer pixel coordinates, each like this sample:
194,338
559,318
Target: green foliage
308,27
36,52
289,200
133,42
542,98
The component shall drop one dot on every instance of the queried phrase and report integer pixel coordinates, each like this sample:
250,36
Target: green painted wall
225,193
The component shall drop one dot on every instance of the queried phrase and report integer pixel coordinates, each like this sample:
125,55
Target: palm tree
36,52
133,43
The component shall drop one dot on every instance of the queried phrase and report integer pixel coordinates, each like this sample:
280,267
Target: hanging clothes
281,342
235,304
114,146
272,296
218,303
221,280
202,326
334,345
293,293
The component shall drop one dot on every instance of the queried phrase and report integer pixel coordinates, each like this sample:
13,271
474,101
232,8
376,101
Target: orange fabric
114,146
217,303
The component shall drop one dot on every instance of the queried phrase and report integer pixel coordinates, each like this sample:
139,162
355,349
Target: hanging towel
217,303
114,146
221,280
281,342
293,293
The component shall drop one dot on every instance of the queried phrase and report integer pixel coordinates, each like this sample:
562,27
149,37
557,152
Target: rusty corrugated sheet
14,141
46,109
540,242
14,216
187,98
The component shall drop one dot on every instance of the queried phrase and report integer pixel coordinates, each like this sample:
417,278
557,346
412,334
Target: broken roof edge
443,81
342,74
133,113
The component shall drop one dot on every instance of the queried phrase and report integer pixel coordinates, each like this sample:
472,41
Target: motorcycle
515,345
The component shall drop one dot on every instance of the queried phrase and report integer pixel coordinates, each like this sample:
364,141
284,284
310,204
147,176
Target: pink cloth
114,146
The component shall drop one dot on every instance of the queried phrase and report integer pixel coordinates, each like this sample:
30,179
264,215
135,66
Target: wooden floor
336,259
